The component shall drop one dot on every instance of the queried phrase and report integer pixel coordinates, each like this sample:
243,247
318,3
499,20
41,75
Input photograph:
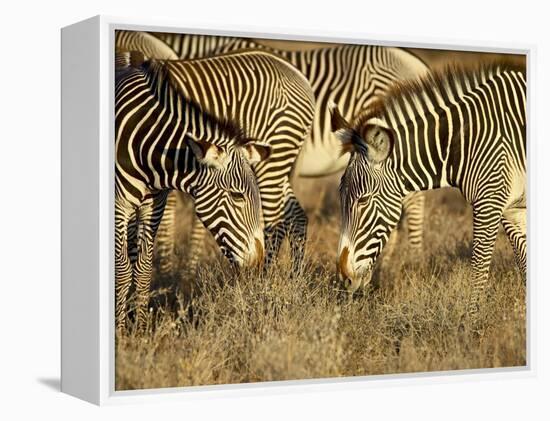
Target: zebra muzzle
349,278
345,273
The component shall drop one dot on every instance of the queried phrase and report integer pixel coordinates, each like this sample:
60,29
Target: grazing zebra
157,111
353,76
274,103
166,141
460,128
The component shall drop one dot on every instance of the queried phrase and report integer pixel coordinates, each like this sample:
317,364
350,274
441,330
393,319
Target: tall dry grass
235,328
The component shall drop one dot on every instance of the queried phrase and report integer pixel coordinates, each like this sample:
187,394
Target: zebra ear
341,128
207,153
256,151
379,141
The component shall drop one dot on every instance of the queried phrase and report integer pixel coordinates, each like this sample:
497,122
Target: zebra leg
389,248
296,227
413,213
149,217
273,209
274,235
487,217
123,265
165,240
198,235
413,217
132,239
515,226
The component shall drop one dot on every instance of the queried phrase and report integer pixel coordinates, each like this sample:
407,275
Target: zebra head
370,196
227,198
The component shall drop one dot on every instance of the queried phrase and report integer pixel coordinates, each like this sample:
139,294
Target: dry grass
246,328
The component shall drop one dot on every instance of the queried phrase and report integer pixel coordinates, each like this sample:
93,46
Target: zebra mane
438,82
226,124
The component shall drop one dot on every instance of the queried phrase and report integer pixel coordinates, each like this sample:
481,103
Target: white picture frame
88,216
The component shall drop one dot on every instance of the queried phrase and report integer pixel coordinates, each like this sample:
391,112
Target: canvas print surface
288,210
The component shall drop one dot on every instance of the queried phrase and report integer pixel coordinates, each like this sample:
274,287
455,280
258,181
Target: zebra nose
343,267
345,272
347,283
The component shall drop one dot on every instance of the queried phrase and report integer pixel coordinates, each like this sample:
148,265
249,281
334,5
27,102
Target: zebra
353,76
459,127
127,43
266,105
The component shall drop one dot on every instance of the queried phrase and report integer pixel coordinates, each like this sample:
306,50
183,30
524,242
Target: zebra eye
237,196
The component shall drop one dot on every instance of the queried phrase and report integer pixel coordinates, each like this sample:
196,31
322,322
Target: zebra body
353,76
460,128
166,141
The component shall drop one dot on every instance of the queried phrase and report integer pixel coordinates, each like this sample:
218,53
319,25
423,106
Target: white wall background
29,209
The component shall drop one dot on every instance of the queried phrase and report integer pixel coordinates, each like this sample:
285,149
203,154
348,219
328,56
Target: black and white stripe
460,128
150,46
352,76
166,141
192,46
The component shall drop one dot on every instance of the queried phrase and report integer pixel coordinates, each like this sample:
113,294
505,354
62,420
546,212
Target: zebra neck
164,155
182,172
424,150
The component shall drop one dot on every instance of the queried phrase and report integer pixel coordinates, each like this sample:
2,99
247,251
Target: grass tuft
224,327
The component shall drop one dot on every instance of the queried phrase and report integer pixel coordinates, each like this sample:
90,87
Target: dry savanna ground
219,327
231,328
